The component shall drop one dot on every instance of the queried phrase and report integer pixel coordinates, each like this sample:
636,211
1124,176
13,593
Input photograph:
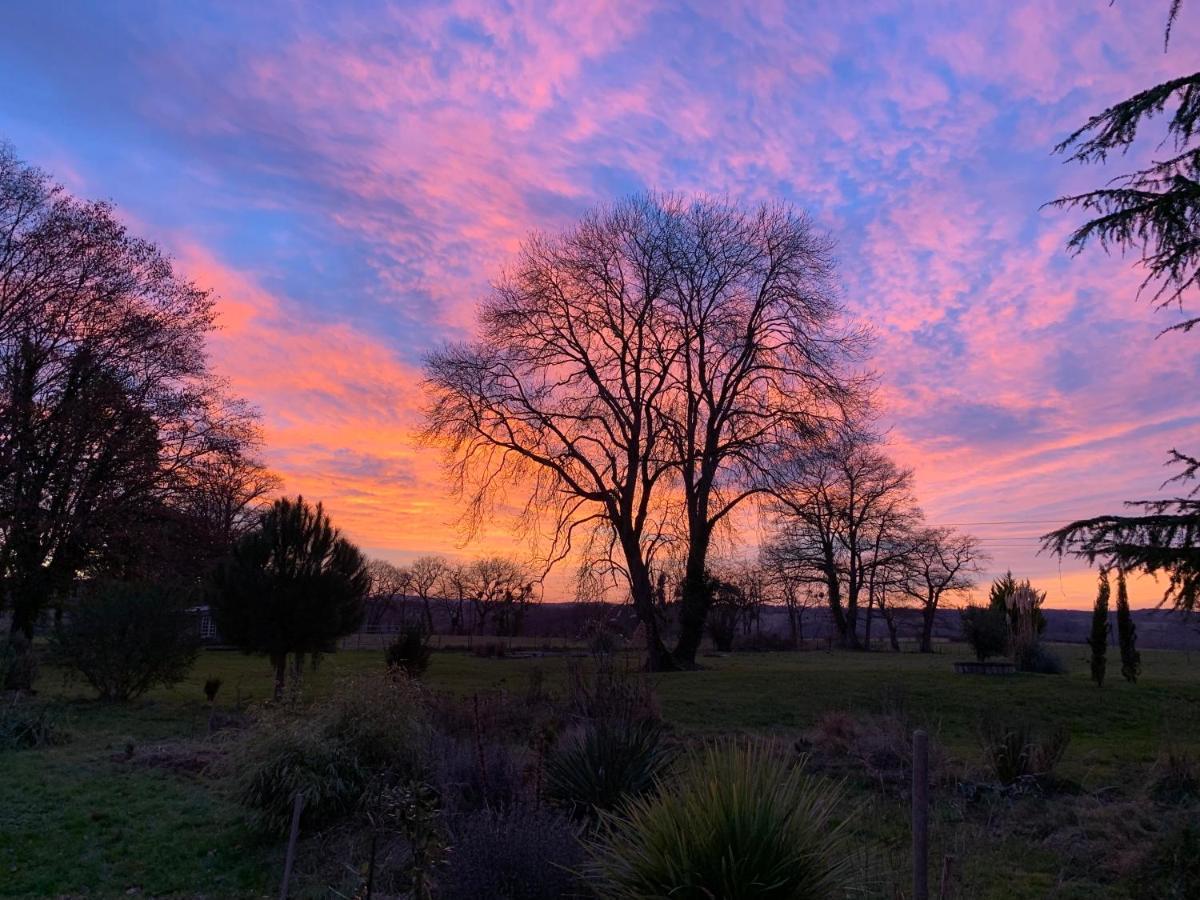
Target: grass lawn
80,819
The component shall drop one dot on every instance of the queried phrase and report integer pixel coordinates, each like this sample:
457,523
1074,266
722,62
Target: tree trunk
927,616
867,628
279,661
641,590
695,599
893,631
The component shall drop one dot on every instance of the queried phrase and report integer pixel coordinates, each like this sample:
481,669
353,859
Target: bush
605,762
1038,659
985,629
370,728
521,852
25,725
125,638
739,822
1015,750
409,651
287,758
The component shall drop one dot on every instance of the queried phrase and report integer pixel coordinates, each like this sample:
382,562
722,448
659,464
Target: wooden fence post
290,859
920,815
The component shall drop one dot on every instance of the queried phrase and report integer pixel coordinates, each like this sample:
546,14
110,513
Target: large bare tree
762,369
560,398
941,561
107,405
840,515
642,369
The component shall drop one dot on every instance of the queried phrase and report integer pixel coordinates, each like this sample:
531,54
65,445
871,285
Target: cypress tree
1131,659
1100,630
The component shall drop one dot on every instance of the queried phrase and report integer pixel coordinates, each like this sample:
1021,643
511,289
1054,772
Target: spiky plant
739,822
607,762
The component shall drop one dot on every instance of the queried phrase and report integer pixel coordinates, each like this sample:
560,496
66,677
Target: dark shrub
605,762
283,759
125,638
985,629
738,822
368,728
1016,750
211,687
18,664
1038,659
409,651
25,725
524,852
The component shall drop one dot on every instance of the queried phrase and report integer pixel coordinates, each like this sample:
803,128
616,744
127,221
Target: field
105,814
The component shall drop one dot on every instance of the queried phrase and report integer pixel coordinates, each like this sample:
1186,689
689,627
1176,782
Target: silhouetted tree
389,585
294,584
499,590
645,367
1154,212
1131,659
844,519
940,562
1098,642
760,370
427,574
106,401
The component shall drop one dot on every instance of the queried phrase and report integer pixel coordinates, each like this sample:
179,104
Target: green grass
79,819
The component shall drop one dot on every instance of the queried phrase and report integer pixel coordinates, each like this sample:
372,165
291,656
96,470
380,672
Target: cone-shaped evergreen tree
1100,631
1131,659
293,585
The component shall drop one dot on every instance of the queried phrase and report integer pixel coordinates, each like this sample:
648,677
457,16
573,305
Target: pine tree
1150,214
1131,659
294,585
1100,630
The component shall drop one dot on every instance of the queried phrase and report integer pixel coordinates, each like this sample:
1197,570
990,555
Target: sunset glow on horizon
348,180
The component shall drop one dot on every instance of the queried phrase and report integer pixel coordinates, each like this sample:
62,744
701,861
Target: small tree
1100,631
985,629
126,638
293,585
1131,659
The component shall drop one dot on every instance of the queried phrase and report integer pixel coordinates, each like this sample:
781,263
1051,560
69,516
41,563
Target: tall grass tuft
606,762
738,822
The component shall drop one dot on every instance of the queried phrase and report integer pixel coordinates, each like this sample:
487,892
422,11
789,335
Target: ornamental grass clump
605,762
740,821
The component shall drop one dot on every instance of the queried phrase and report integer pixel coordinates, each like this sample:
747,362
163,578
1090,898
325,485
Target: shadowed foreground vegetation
129,803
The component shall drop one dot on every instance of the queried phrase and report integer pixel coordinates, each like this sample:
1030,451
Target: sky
348,178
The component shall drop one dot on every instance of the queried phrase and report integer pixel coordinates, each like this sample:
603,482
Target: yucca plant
738,822
606,762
